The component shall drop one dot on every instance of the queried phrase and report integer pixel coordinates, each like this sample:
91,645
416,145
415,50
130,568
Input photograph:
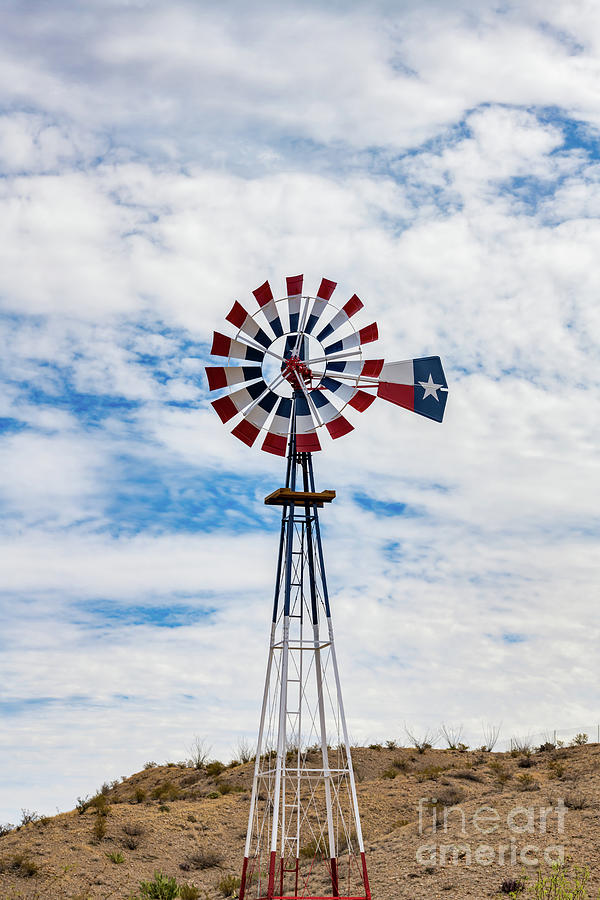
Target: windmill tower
294,367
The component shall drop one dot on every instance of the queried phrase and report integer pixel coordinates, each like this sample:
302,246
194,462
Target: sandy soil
510,814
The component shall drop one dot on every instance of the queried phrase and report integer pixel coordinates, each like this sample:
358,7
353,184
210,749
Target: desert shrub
466,775
546,747
207,858
28,816
502,774
314,848
115,856
214,795
244,751
375,747
215,768
161,888
575,801
579,740
556,768
99,829
166,791
189,892
452,735
430,773
229,885
6,828
525,762
134,829
82,804
401,764
199,752
560,885
391,745
526,782
139,795
512,886
100,804
20,864
163,807
491,733
150,765
423,742
450,796
389,773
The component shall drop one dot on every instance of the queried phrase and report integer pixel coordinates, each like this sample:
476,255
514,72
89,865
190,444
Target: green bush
229,885
161,888
215,768
115,856
189,892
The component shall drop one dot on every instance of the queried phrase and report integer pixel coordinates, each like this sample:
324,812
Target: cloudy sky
160,160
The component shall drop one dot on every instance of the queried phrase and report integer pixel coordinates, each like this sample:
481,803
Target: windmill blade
343,392
277,435
264,298
416,384
361,400
364,336
294,294
336,424
368,368
249,428
238,316
226,346
324,293
225,376
231,404
306,433
341,318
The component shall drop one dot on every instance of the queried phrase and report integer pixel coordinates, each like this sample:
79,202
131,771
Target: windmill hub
297,373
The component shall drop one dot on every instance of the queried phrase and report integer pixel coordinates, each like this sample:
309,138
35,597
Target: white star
430,388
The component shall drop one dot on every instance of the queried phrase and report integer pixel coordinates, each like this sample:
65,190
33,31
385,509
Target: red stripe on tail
400,394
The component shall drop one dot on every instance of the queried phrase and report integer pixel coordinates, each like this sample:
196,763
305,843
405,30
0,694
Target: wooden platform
284,496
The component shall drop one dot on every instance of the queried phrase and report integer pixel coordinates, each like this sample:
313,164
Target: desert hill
190,824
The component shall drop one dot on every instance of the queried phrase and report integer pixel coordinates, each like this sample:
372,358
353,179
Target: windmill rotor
309,348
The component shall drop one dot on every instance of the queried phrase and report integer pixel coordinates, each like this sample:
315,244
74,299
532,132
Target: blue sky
160,160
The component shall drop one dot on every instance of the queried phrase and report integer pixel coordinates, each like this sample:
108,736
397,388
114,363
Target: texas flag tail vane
302,358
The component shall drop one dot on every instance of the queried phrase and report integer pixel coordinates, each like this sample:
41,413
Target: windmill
294,367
